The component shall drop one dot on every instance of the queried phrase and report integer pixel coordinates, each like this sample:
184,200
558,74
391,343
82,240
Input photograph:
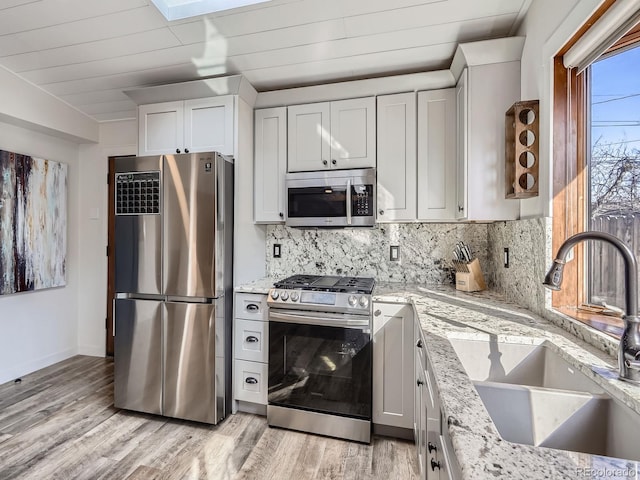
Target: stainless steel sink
520,364
535,397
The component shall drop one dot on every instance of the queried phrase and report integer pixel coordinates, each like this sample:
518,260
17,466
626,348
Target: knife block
469,277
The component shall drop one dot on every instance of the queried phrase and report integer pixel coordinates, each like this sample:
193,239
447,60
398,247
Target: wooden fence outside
606,281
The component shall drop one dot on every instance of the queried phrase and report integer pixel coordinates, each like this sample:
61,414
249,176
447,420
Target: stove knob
284,296
294,296
364,302
275,294
353,300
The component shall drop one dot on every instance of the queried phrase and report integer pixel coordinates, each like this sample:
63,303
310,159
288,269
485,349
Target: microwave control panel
362,200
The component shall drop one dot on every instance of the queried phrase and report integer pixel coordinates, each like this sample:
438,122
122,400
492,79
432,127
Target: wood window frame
570,175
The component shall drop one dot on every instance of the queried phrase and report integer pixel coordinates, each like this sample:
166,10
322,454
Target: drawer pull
252,307
251,380
431,447
419,343
252,339
419,382
435,465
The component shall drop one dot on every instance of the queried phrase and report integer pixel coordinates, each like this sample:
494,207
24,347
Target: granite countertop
446,313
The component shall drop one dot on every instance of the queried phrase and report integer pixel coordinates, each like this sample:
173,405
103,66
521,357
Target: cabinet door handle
281,215
381,212
377,313
186,150
435,465
419,343
252,307
251,380
177,150
419,382
460,208
252,339
324,162
334,161
431,447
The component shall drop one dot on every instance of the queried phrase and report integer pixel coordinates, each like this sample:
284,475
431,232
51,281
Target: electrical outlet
277,250
394,253
506,257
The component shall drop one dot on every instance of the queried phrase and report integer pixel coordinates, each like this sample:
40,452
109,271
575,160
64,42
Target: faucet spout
629,349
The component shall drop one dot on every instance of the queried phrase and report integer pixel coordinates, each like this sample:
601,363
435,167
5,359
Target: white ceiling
87,52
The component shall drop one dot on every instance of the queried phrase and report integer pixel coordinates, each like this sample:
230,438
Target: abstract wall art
33,223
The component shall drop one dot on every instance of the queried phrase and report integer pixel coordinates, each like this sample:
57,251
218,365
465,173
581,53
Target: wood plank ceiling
87,52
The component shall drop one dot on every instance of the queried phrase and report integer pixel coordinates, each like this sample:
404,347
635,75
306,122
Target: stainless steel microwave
336,198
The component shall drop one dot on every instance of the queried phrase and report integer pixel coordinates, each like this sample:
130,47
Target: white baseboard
13,372
92,350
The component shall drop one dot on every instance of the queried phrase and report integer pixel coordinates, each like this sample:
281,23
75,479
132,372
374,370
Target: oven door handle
325,319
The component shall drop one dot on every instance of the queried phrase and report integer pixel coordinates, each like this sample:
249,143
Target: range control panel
138,193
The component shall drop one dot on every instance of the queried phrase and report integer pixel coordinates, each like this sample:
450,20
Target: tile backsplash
426,250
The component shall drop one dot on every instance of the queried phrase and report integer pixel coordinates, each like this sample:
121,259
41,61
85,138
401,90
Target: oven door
320,362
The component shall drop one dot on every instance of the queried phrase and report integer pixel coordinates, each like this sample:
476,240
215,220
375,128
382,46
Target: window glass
614,170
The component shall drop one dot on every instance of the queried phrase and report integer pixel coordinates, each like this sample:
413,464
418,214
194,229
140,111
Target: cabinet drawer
250,381
251,306
251,340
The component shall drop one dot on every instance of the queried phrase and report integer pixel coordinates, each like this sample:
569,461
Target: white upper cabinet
199,125
396,189
353,133
484,94
461,146
437,155
208,125
309,137
160,128
270,164
332,135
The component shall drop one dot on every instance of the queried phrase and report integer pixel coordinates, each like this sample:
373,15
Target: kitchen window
596,177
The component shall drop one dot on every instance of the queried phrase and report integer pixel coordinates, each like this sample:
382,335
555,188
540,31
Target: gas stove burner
328,283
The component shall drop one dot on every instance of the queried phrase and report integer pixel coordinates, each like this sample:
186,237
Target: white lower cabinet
250,351
393,365
435,454
250,381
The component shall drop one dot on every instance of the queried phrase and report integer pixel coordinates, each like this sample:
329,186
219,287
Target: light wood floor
59,423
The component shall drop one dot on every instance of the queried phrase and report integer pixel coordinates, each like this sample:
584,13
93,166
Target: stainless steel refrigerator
173,279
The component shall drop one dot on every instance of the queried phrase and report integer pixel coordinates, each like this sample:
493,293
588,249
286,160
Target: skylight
179,9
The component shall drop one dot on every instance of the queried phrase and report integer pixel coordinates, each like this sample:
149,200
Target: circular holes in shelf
527,159
526,181
527,116
527,137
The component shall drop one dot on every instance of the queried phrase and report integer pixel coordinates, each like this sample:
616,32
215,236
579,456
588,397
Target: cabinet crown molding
203,88
485,52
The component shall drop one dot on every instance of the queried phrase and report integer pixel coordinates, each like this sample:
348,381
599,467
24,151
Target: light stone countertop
446,313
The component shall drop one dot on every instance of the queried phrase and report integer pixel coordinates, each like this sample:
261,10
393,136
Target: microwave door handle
349,201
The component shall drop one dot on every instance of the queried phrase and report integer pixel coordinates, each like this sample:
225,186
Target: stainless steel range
320,355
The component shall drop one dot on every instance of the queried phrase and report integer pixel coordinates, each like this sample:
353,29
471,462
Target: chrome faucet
629,348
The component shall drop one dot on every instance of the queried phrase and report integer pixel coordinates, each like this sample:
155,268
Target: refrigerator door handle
176,299
113,317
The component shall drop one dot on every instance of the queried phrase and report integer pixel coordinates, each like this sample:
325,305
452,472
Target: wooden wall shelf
522,150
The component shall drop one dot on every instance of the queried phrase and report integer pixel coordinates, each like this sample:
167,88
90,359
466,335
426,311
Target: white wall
116,138
548,25
40,328
249,238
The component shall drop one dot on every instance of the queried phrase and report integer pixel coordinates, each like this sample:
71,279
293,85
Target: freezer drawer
138,355
193,390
